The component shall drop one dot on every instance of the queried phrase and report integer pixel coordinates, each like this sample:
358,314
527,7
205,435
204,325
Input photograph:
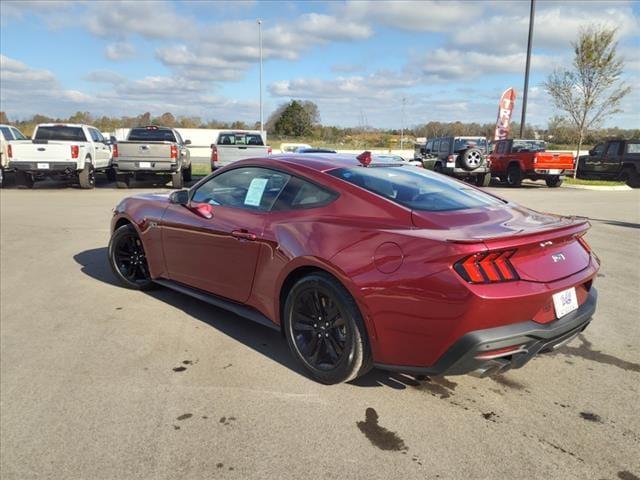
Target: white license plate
42,166
565,302
145,164
555,172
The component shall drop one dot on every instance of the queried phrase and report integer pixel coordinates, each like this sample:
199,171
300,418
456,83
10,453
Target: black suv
460,157
615,159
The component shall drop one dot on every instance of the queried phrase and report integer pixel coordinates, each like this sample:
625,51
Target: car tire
112,176
514,176
1,176
122,180
554,181
483,180
177,180
335,348
631,177
438,168
24,179
127,259
87,176
186,173
471,159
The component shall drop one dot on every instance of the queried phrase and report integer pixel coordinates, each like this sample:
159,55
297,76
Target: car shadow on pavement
268,342
264,340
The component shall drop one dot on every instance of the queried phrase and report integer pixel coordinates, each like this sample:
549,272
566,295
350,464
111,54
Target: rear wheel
186,174
631,177
514,176
112,176
482,180
122,180
24,179
87,176
128,260
325,330
554,181
177,180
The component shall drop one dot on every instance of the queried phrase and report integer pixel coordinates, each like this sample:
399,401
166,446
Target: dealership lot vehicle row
102,382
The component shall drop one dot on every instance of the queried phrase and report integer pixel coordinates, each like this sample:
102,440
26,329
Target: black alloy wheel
128,260
325,330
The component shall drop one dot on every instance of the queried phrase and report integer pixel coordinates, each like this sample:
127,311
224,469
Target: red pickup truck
514,160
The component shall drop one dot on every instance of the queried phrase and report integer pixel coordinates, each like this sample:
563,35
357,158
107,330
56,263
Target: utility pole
404,101
261,111
532,12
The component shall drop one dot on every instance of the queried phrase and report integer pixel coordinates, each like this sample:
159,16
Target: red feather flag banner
505,109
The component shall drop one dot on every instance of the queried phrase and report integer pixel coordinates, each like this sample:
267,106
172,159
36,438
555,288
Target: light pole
261,111
402,126
532,12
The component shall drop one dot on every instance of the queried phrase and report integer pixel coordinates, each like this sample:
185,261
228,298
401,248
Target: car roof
317,161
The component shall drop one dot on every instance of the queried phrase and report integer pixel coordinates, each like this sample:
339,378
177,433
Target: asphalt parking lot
99,382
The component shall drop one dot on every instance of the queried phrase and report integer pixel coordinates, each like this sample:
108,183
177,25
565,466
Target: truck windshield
416,188
464,143
60,132
151,135
240,139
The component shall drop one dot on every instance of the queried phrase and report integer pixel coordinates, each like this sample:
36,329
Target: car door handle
244,235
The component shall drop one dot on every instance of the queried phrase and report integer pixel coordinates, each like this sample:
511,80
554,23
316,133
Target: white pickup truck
7,134
232,146
61,151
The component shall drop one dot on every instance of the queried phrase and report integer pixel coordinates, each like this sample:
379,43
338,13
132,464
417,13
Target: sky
357,60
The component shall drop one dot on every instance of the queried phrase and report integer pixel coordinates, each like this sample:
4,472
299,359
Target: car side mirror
187,142
179,197
113,140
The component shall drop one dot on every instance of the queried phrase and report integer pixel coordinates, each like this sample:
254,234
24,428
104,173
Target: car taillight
174,151
75,150
451,158
115,150
490,267
214,155
9,151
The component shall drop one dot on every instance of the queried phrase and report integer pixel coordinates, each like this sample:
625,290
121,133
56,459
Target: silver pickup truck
152,150
237,145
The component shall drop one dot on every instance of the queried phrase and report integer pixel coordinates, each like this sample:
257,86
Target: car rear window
633,147
151,135
416,188
464,143
60,132
240,139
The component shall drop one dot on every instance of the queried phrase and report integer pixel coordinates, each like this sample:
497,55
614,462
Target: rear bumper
462,173
54,167
535,338
154,166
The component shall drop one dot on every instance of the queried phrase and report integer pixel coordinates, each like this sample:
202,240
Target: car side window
179,137
599,149
94,135
633,147
613,149
436,145
444,145
17,135
429,145
299,194
250,188
6,133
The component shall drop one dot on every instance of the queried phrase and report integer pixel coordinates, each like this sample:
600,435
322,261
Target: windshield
416,188
240,139
475,142
60,132
528,146
151,135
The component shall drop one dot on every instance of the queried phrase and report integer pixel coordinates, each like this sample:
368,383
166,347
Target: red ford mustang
362,264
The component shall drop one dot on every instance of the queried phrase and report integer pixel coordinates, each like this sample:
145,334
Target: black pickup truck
612,160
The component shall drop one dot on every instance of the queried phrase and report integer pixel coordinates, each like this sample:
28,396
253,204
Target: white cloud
120,51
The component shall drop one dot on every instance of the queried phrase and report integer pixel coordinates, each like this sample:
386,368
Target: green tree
295,121
591,90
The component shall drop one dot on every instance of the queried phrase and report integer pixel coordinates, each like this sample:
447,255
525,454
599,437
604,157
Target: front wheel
127,259
554,181
325,330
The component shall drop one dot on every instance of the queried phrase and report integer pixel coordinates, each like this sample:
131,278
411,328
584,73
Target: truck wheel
471,159
631,177
177,181
514,176
438,168
1,176
24,179
483,180
111,175
186,174
122,180
87,176
554,181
